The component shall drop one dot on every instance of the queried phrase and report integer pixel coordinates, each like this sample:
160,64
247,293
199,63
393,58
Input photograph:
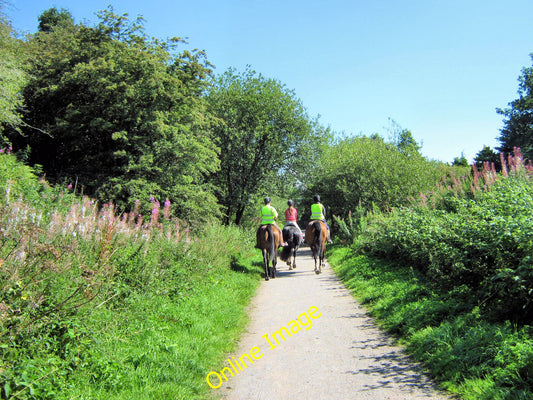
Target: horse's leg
265,262
289,259
322,252
315,256
294,258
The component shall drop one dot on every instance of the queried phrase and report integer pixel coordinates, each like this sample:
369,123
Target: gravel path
341,356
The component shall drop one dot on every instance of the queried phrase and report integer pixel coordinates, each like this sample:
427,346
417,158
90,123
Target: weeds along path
341,356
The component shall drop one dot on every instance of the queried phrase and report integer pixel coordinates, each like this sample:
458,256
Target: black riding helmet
290,203
316,198
267,200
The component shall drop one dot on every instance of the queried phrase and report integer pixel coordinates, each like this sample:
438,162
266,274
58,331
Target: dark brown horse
316,235
292,236
269,239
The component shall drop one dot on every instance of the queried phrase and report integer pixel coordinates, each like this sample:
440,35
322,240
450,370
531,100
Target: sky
437,68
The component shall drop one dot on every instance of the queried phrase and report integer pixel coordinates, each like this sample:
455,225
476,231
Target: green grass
162,347
467,354
161,342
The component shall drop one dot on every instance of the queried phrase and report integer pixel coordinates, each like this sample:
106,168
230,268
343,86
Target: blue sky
438,68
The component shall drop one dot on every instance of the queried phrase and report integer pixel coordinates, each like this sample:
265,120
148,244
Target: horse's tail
271,242
318,233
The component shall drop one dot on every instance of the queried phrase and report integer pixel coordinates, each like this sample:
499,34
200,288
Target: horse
269,239
293,237
316,235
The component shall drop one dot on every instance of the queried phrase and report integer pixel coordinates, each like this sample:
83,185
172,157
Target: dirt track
341,356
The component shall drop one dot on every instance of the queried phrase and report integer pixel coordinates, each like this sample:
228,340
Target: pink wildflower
504,165
166,209
424,199
155,213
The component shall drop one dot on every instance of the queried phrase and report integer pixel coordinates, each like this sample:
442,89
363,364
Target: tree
460,161
518,125
52,18
13,76
121,115
367,172
488,155
265,131
403,140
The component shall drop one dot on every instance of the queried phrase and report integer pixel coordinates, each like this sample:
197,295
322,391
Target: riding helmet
290,203
267,200
316,198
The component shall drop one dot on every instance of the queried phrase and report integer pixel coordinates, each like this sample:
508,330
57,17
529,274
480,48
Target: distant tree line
124,117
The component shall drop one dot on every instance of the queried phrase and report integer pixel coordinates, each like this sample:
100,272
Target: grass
468,355
164,348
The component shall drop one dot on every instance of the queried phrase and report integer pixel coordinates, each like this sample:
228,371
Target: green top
317,211
268,215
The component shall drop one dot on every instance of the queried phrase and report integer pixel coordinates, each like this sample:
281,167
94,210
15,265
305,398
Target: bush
482,241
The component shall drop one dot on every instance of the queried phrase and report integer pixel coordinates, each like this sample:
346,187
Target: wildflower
166,209
424,199
69,186
155,213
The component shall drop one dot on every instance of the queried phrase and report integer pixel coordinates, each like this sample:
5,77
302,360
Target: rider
291,216
269,215
318,212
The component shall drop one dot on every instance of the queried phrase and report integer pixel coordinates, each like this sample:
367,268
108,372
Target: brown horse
316,235
269,239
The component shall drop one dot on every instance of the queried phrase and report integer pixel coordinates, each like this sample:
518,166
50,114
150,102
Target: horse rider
291,216
269,215
318,212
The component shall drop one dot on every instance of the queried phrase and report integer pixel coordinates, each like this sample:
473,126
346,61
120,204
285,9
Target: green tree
52,18
121,115
368,172
488,155
460,161
403,140
13,75
265,133
518,122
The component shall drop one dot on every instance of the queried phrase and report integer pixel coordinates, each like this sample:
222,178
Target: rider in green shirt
268,213
318,212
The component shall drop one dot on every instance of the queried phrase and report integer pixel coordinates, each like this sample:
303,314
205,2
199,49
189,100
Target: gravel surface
342,355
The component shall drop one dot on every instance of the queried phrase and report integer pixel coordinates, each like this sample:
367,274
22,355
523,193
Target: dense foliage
97,305
369,171
12,76
483,243
119,115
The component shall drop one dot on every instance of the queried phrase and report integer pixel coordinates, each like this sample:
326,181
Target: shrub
482,241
